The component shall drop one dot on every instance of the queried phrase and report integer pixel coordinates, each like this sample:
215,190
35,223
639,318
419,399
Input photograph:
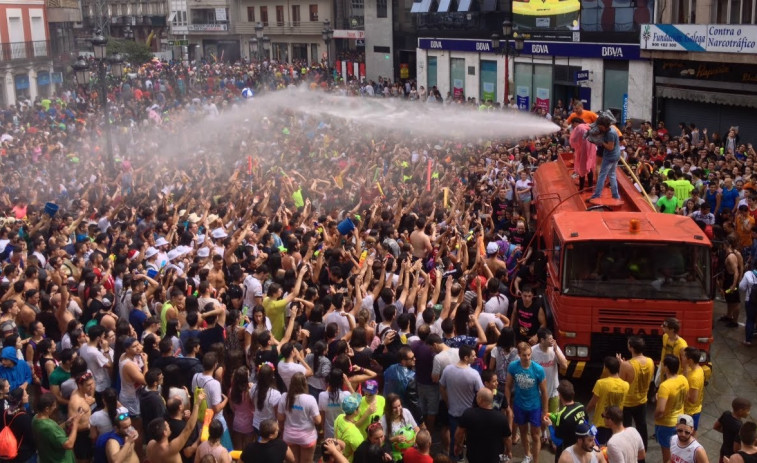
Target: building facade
26,64
143,21
587,51
705,65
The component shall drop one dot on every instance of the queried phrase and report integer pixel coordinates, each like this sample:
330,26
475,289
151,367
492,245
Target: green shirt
682,189
58,376
347,432
670,204
50,438
380,404
163,319
274,310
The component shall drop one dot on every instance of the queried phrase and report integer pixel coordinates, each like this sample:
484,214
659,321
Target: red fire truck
617,269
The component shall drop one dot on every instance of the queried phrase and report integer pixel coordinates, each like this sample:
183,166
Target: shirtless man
115,451
164,450
215,276
420,240
81,402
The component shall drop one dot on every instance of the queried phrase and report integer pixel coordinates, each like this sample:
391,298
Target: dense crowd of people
272,286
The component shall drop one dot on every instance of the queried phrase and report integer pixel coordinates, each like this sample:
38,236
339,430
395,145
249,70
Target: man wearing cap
161,245
583,451
345,429
684,448
625,445
217,236
151,260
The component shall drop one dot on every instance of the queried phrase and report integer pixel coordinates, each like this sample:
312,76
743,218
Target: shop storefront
602,76
712,95
704,74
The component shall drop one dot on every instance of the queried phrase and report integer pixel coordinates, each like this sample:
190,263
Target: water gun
362,258
206,425
235,454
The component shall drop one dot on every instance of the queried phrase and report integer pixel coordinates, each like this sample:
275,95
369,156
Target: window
296,16
251,14
264,15
357,6
735,11
685,11
280,15
314,12
381,8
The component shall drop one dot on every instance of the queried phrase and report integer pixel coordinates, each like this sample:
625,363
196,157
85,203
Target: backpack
8,443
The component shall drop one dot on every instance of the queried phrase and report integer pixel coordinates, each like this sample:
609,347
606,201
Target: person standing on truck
607,392
638,372
610,142
670,402
528,316
584,152
585,115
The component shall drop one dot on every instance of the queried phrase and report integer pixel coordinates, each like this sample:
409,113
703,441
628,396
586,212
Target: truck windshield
637,271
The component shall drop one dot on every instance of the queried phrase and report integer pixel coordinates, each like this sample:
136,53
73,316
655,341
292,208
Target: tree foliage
134,53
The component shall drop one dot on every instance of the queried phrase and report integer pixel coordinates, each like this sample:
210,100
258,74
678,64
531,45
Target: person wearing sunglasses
585,449
118,445
684,448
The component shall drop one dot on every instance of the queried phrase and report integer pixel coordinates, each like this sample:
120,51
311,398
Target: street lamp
81,71
327,34
99,47
258,43
507,50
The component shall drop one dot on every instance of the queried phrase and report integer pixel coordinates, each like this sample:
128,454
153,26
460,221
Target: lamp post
507,51
99,47
260,44
327,34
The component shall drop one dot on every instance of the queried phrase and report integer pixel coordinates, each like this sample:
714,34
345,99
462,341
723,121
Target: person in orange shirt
579,111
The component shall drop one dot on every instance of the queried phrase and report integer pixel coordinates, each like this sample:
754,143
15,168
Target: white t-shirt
407,420
625,445
96,362
330,410
444,358
299,427
254,289
497,304
341,320
484,318
212,388
269,408
288,369
548,361
101,421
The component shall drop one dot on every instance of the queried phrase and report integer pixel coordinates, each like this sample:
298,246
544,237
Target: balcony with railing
17,51
282,28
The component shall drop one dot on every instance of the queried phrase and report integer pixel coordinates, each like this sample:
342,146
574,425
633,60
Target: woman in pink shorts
299,412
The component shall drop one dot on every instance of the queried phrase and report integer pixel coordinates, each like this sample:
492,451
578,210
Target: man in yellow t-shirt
672,344
671,396
607,392
638,372
695,376
275,305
